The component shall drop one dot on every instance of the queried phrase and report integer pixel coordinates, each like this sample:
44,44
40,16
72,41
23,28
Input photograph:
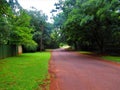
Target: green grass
25,72
86,52
112,58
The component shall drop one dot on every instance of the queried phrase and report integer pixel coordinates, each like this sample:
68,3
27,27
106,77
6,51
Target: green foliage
21,30
22,27
58,20
47,40
40,26
91,24
3,7
25,72
15,26
4,30
55,36
31,46
4,24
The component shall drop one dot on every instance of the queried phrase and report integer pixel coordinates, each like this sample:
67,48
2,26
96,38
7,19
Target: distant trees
38,21
57,34
42,29
91,24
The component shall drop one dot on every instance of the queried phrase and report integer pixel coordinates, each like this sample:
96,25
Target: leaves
15,27
21,30
91,21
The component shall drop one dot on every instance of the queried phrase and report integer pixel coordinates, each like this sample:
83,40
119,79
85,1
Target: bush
30,47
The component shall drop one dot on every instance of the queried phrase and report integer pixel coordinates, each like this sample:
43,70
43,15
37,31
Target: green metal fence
8,50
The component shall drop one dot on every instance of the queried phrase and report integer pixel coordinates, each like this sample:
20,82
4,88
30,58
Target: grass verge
112,58
25,72
86,52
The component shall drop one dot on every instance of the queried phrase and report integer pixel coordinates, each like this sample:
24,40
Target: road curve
71,71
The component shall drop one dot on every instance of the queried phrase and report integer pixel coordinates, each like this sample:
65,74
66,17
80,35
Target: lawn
25,72
112,58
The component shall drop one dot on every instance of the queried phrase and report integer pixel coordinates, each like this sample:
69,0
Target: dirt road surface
72,71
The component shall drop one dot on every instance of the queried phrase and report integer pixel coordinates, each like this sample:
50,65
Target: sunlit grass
25,72
112,58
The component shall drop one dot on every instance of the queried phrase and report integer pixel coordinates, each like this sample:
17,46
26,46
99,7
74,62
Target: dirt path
71,71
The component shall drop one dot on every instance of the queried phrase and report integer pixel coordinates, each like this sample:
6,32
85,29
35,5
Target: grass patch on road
112,58
25,72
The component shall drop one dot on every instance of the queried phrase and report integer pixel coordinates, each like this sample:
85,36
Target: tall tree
39,24
4,24
15,25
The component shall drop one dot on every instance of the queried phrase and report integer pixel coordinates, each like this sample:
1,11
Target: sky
45,5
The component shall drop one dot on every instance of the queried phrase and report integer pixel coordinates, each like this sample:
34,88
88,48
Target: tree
4,24
100,21
90,23
15,25
47,40
42,29
21,30
3,7
4,30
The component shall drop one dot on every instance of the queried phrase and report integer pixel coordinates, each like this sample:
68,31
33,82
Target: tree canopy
90,24
24,27
83,24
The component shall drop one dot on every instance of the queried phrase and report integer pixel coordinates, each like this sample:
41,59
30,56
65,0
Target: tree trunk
75,45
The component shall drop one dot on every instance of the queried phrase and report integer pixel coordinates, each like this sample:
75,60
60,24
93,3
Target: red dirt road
71,71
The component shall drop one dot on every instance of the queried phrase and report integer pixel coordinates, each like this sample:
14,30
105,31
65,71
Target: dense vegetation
90,24
83,24
28,28
15,25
